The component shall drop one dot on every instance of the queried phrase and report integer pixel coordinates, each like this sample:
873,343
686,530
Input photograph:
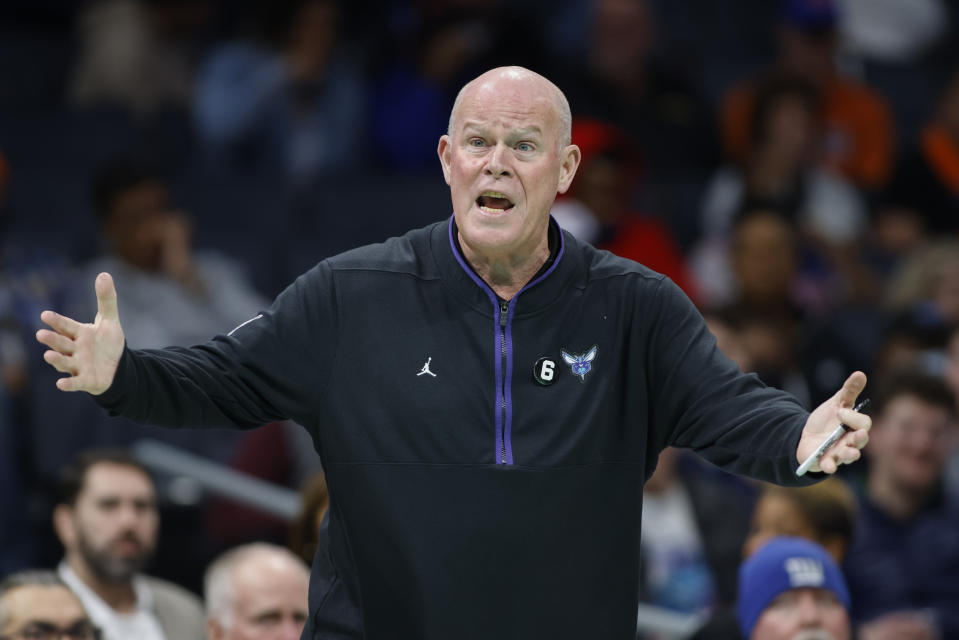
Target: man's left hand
824,420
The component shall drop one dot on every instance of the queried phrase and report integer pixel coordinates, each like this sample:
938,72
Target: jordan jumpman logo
426,368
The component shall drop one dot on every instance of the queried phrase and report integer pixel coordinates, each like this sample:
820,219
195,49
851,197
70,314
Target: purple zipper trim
508,387
497,359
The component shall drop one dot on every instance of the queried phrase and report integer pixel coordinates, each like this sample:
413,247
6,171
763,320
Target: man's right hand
89,353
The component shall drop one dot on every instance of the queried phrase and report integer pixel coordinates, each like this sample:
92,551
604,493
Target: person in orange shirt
925,185
597,208
859,139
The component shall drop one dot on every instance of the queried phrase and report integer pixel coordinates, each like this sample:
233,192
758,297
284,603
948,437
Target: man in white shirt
107,522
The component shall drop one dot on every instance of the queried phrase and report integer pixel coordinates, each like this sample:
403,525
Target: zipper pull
503,312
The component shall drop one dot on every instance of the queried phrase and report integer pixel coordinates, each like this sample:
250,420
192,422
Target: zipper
503,318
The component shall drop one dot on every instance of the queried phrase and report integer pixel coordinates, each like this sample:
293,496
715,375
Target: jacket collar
546,287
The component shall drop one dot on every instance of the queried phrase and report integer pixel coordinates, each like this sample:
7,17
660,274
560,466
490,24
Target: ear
567,169
63,525
445,151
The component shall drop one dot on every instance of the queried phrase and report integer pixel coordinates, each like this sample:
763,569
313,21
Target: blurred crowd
792,165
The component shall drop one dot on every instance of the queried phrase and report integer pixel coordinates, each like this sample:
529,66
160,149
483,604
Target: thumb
851,389
106,297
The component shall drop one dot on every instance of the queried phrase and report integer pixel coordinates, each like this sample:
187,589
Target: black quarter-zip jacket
468,499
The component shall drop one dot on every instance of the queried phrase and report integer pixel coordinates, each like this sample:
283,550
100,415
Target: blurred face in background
624,35
112,527
788,137
36,607
803,614
270,601
601,186
910,443
810,53
776,515
137,223
764,258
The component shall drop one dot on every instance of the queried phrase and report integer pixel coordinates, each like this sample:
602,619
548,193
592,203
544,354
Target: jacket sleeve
272,367
700,400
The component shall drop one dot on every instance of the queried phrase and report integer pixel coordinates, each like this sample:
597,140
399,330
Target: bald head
506,79
251,580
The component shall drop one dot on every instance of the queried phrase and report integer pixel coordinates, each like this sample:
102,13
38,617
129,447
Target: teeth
495,194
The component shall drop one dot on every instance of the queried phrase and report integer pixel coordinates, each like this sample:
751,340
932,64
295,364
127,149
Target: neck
118,595
898,502
507,273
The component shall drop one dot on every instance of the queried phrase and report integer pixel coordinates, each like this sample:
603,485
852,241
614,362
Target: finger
847,455
851,389
106,297
70,383
828,464
60,362
61,324
56,341
854,419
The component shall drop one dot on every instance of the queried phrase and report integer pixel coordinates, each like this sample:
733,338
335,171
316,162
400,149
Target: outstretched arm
824,420
88,352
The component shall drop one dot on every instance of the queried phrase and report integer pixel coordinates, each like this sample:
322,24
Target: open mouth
494,202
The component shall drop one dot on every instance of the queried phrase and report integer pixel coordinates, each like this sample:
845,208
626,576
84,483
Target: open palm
88,352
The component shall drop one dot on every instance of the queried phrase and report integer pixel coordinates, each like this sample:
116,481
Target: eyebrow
524,131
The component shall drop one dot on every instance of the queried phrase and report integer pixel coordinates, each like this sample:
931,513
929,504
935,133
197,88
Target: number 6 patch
544,371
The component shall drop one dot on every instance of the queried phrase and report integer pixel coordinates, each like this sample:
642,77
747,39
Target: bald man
487,394
256,592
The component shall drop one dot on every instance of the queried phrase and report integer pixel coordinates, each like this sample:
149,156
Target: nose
497,162
291,630
809,611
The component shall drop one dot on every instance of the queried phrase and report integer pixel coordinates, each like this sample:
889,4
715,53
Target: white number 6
546,372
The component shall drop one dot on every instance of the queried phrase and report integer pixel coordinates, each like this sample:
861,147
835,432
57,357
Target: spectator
824,513
36,604
926,183
174,294
134,53
766,305
791,589
107,522
692,533
256,592
780,171
429,54
926,286
630,79
859,134
598,210
904,559
291,97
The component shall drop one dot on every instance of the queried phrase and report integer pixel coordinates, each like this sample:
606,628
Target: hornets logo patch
580,364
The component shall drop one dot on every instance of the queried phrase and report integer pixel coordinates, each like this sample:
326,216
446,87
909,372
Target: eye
476,142
525,147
